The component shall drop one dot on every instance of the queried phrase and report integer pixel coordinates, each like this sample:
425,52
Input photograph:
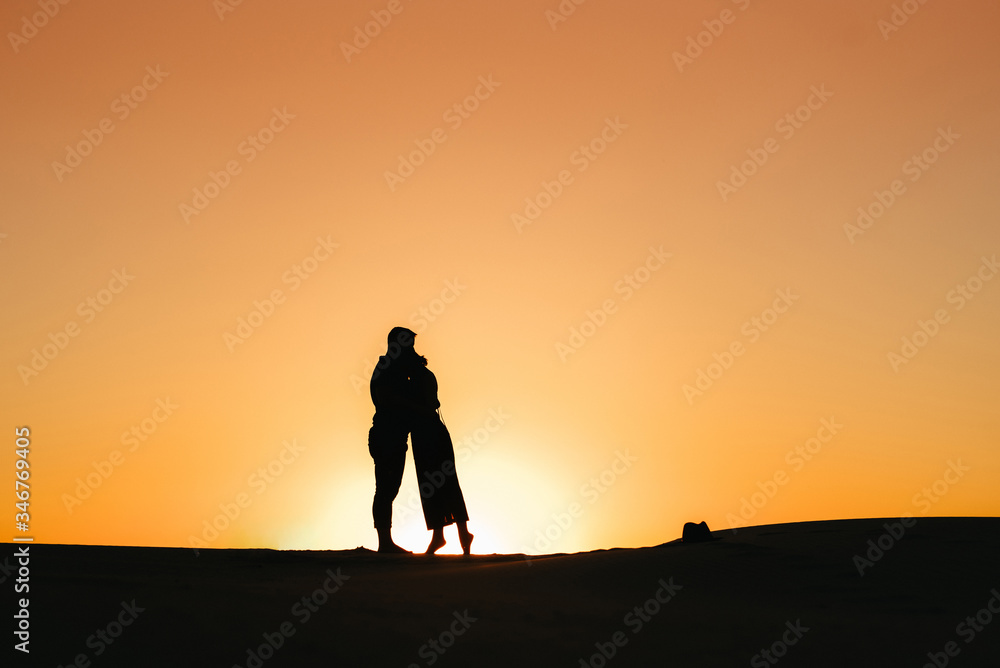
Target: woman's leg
440,493
437,541
465,538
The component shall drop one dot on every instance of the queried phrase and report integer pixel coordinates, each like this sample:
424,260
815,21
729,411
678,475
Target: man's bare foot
466,541
437,542
392,548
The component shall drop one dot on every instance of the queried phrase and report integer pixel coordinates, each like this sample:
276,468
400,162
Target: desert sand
788,594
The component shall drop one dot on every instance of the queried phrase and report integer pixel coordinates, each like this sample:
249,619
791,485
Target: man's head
400,338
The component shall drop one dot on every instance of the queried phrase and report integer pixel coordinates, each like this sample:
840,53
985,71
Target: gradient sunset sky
650,250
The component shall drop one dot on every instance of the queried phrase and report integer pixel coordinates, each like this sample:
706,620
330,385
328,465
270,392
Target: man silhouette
394,406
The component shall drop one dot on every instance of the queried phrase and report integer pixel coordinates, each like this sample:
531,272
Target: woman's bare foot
437,542
466,540
392,548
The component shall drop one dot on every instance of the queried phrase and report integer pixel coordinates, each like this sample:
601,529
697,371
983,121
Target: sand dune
792,590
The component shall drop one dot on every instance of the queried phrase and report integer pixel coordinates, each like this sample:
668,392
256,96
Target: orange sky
629,241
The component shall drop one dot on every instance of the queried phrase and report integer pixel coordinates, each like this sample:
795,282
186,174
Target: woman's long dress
434,458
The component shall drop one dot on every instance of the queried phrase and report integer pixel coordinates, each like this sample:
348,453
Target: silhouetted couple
404,392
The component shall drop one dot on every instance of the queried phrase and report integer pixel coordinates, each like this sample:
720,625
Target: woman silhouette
434,459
